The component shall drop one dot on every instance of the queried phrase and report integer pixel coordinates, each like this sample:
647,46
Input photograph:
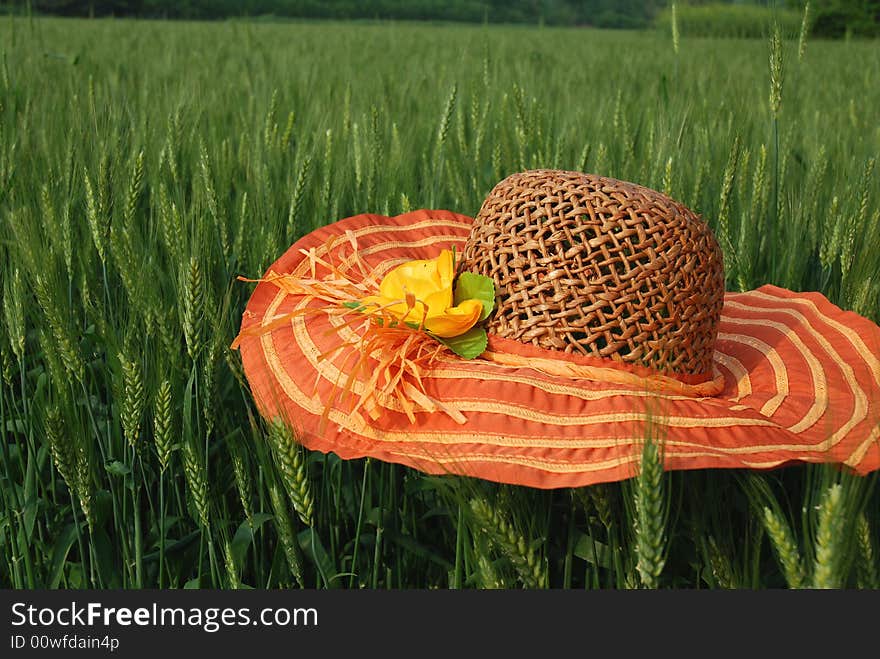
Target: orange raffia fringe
388,358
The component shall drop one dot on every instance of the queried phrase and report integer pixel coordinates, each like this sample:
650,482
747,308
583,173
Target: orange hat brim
801,383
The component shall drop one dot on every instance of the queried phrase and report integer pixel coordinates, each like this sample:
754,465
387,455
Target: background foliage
143,165
830,18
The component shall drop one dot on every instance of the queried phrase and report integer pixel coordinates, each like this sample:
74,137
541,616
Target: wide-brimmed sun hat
610,326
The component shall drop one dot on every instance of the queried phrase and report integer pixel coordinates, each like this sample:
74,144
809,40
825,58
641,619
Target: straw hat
610,325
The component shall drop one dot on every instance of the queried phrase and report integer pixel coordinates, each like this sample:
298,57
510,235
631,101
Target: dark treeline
832,18
837,18
599,13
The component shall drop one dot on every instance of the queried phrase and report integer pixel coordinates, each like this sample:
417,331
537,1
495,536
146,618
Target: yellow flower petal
422,290
455,320
429,280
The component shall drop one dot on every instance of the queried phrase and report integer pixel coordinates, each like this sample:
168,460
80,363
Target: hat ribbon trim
509,352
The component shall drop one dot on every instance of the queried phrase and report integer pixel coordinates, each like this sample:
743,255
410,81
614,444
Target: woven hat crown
596,266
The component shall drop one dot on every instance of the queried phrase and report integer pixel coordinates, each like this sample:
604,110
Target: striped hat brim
801,383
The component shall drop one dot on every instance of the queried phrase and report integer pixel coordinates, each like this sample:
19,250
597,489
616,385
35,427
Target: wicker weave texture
601,267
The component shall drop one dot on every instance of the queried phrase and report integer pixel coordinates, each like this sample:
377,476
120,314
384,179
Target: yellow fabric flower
418,291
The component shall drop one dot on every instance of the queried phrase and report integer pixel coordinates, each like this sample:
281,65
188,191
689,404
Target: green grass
144,165
729,21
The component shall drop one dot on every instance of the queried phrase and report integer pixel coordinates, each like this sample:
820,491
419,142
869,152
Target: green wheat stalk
857,224
170,225
287,135
291,464
358,157
299,189
64,340
675,34
327,189
775,98
866,558
829,538
197,481
270,127
7,368
600,495
697,192
720,566
229,563
162,425
446,117
208,392
70,457
238,241
286,534
243,483
96,217
805,29
13,312
512,545
667,177
193,313
785,547
211,197
61,448
133,399
135,188
650,517
724,203
485,571
829,246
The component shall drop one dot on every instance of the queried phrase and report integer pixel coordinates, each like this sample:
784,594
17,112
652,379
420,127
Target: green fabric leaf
469,345
471,286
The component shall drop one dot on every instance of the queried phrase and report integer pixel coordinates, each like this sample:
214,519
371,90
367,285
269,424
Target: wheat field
144,165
